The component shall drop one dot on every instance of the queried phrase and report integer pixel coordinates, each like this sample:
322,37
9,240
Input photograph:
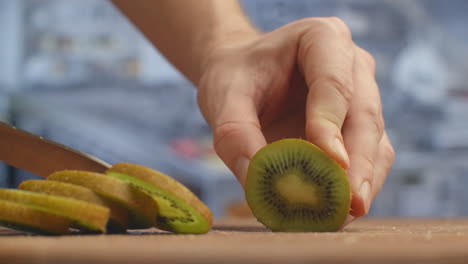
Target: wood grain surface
245,241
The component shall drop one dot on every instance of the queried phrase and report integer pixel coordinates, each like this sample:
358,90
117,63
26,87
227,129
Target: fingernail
365,192
241,168
341,151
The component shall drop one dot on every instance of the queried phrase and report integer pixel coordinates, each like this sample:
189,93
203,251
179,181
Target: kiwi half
84,215
294,186
32,219
180,210
118,221
142,208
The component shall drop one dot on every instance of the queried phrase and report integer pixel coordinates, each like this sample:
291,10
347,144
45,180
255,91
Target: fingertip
349,219
236,143
357,207
360,202
365,193
327,136
341,153
241,169
336,150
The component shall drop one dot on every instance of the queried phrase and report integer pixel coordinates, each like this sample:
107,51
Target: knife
40,156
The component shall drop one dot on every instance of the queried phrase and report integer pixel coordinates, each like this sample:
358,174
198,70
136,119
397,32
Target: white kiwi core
294,189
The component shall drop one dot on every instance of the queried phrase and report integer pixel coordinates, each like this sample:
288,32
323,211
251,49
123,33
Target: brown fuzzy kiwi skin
84,215
143,209
32,219
118,222
166,183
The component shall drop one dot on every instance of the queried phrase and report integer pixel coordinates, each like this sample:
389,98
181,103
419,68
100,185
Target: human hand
308,80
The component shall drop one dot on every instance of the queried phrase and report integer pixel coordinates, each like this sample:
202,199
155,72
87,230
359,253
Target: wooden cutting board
245,241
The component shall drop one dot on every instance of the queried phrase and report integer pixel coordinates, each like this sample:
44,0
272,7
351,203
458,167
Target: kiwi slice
84,215
294,186
32,219
118,221
180,210
142,208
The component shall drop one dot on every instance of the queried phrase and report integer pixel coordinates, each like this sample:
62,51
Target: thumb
237,135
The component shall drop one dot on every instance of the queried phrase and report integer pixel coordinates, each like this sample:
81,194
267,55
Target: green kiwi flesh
118,222
293,186
142,208
85,216
32,219
175,215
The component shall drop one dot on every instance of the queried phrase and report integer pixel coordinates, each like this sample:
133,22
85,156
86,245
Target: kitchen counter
245,241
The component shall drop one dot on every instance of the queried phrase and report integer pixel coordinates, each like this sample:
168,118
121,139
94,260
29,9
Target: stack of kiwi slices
127,196
293,186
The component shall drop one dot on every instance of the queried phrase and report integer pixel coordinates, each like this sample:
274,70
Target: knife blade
40,156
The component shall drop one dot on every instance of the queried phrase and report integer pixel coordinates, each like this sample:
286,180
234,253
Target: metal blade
40,156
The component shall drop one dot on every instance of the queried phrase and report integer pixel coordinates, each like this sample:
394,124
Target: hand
308,80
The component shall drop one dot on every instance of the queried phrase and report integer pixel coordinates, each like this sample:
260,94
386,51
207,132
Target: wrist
224,37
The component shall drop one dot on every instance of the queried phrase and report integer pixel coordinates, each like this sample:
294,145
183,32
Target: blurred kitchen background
79,73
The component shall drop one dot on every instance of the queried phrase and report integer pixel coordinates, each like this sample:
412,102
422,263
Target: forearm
186,30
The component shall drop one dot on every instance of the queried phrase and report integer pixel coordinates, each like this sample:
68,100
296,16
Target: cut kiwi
142,208
180,210
293,186
85,216
32,219
118,221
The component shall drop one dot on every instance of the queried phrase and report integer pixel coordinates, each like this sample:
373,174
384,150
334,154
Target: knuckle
389,153
338,82
228,130
224,130
337,22
323,126
374,115
367,58
328,24
339,26
367,165
308,21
